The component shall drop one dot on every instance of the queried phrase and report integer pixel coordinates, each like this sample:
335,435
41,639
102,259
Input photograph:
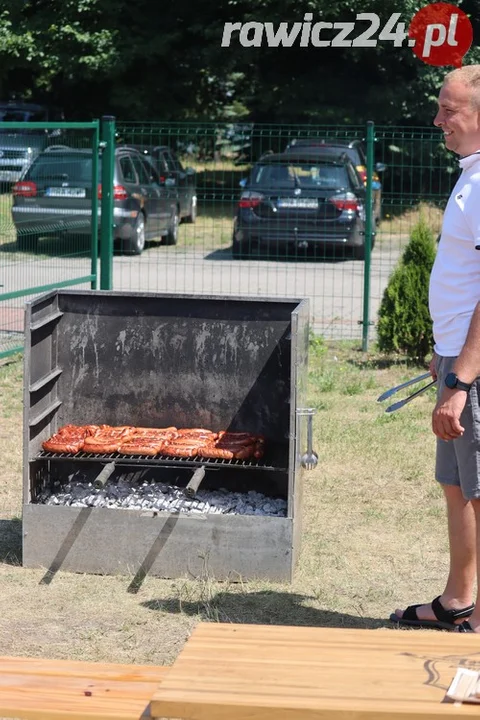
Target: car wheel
359,250
171,237
238,253
136,244
192,216
27,242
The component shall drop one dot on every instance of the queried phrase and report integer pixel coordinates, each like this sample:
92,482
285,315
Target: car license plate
308,203
65,192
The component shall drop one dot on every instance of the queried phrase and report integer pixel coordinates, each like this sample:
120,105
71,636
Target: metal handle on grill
192,487
102,478
309,459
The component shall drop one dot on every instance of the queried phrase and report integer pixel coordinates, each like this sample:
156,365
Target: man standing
455,310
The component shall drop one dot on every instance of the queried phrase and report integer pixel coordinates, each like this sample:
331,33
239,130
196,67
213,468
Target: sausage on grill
211,451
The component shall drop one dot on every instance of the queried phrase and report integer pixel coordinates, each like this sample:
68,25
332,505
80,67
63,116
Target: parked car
54,197
304,199
19,146
356,152
169,167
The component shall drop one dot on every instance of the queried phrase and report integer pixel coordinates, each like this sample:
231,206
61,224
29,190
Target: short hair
469,75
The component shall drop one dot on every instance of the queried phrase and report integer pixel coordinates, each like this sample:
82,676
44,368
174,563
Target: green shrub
404,324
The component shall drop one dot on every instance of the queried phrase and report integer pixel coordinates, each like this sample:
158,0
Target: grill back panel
171,362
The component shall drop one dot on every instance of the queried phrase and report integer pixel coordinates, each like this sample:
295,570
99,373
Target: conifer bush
404,324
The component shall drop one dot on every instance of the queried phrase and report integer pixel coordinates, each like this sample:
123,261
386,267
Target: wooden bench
255,672
39,689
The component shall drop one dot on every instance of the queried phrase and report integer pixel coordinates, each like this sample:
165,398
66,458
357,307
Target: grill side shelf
53,375
159,460
46,320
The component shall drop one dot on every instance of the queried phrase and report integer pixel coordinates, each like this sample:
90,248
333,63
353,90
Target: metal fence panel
345,291
48,215
190,205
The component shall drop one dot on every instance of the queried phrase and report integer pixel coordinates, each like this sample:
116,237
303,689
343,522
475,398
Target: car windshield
22,115
302,174
19,115
61,167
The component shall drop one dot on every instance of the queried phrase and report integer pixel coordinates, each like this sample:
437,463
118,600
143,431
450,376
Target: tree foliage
147,60
404,324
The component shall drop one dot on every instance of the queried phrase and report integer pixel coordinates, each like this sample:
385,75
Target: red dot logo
440,34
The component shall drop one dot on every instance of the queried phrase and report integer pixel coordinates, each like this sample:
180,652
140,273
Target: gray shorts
458,461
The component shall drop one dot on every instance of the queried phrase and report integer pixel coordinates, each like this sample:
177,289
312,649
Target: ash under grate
159,497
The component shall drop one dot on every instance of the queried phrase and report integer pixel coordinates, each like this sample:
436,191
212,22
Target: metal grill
159,460
206,362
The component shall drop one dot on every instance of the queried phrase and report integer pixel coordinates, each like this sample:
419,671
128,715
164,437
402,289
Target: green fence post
107,143
94,219
368,236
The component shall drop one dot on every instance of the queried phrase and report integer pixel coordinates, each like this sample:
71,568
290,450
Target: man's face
458,118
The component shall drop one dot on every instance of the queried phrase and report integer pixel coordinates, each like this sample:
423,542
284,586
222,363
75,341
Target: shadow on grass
11,541
56,247
281,256
387,362
266,607
52,246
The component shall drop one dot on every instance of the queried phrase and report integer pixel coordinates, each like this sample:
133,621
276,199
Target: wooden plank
38,689
81,668
264,672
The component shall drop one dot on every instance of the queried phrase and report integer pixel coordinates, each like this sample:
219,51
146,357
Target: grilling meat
69,439
239,438
147,441
59,444
210,451
142,446
108,440
185,451
183,442
164,433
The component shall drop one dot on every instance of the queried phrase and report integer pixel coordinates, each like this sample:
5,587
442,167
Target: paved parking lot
334,287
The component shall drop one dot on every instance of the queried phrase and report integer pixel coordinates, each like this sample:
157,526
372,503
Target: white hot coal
158,496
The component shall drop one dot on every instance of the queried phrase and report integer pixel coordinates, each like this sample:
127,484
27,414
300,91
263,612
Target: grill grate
159,460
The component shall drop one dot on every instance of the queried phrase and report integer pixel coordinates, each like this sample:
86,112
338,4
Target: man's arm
447,412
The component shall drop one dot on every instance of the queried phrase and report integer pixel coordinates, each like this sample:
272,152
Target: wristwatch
452,382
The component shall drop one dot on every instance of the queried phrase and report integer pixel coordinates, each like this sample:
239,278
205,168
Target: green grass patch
373,534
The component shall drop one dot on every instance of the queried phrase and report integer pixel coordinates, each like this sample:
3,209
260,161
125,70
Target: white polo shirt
455,279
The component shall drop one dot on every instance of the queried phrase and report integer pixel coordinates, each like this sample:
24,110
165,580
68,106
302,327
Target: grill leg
197,477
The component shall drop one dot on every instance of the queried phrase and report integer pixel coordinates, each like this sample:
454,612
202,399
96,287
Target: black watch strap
463,386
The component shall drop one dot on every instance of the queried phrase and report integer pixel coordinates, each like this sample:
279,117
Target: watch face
451,380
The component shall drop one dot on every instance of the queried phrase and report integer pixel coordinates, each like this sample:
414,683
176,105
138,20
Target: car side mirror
243,182
190,171
380,167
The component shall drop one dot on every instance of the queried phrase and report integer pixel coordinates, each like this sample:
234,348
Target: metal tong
401,403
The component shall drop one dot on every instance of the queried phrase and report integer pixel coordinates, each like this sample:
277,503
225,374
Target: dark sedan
303,201
355,150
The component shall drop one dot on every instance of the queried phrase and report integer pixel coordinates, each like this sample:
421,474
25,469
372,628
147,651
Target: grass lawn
373,539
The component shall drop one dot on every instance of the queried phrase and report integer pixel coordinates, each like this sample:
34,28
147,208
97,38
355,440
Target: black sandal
445,618
464,627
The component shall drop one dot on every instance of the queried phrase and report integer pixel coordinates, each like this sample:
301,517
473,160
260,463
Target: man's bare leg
458,591
474,619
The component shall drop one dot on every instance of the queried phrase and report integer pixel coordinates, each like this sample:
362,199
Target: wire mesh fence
303,235
321,212
48,199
